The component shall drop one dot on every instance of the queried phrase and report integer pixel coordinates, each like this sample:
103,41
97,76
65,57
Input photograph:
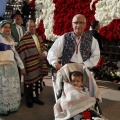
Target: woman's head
76,78
5,27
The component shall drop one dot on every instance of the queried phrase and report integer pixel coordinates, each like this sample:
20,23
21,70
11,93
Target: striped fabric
31,58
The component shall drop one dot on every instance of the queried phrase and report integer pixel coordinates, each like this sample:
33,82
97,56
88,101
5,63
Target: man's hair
76,74
94,24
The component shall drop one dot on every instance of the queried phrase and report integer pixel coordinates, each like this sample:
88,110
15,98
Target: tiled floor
111,100
110,105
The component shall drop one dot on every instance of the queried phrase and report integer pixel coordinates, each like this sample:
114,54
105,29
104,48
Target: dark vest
69,46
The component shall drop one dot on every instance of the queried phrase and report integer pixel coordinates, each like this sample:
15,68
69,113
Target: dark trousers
32,91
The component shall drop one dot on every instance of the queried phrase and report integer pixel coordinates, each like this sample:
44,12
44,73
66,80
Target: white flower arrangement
107,10
45,12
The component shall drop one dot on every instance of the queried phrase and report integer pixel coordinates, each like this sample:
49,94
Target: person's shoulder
26,37
61,37
68,33
88,35
13,25
22,26
88,32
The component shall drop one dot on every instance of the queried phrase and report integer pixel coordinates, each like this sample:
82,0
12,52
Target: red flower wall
66,9
112,31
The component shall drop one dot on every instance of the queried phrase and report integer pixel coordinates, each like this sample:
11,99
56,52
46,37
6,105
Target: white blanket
88,79
72,102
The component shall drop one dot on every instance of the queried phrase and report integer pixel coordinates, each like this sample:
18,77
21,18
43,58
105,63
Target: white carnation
107,10
47,8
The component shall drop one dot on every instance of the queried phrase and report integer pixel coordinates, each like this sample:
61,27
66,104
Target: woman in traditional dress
10,96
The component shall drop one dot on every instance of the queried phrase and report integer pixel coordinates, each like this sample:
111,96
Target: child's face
77,81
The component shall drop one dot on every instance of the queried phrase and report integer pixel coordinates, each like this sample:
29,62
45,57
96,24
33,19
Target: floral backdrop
53,17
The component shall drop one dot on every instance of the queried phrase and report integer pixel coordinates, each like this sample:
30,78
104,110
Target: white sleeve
18,59
56,50
95,55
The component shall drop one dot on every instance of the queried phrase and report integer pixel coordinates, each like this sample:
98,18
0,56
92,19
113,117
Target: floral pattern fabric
9,88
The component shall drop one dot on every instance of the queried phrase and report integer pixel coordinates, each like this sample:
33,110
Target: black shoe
29,104
39,102
6,114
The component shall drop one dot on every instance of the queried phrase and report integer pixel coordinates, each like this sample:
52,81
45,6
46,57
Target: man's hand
42,56
57,66
23,72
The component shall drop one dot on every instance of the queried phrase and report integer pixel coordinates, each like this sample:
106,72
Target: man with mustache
76,46
17,30
33,52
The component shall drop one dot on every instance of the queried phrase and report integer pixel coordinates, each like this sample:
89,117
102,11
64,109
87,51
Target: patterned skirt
9,88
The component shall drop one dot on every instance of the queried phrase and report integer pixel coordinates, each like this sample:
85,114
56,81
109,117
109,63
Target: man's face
79,24
17,19
31,27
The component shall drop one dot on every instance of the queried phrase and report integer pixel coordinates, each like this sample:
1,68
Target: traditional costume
10,96
29,49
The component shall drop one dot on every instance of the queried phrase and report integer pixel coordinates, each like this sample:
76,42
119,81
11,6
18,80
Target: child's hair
76,74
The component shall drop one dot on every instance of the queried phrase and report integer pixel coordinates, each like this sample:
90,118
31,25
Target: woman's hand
23,72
